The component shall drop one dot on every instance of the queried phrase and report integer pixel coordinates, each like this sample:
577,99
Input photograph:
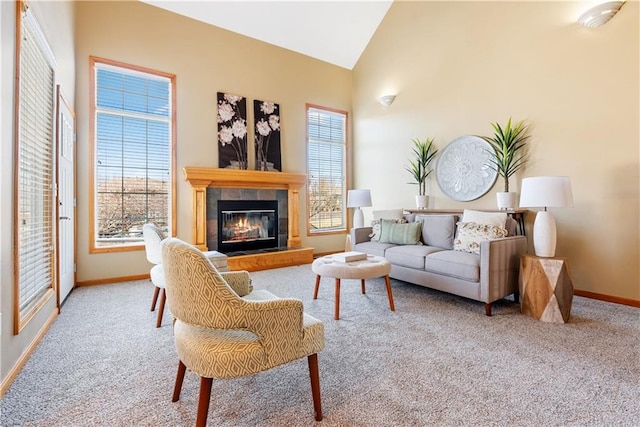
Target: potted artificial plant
508,144
424,152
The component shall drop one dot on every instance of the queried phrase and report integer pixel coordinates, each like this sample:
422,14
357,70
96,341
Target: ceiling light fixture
387,100
600,14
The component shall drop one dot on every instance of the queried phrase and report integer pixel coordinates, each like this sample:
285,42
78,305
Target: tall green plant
424,152
508,145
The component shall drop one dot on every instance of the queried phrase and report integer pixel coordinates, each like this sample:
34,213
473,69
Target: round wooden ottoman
373,266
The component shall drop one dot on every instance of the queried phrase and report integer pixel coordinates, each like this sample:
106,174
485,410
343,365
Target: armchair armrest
239,281
360,235
278,324
499,267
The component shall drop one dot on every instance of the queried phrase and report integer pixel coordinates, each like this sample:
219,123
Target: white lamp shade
546,192
358,198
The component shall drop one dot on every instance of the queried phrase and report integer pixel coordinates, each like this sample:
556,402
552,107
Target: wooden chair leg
389,293
163,297
156,290
179,378
516,297
315,385
362,286
315,292
336,314
203,401
487,309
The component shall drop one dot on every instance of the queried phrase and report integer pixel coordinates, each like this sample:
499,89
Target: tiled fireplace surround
209,183
215,194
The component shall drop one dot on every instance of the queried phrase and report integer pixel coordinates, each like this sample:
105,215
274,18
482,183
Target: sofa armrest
499,267
360,235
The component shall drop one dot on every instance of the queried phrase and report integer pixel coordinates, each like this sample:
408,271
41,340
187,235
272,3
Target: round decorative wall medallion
464,170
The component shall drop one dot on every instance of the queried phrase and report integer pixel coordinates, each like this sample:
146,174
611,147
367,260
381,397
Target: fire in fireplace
247,225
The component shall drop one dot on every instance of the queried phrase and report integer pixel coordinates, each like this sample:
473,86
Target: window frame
345,173
44,293
93,247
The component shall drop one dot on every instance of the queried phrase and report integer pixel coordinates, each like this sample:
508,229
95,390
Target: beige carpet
436,361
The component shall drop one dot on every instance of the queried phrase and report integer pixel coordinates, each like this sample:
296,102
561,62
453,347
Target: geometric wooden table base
546,291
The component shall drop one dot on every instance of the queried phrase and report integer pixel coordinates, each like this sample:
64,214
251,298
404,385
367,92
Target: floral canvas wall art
267,135
232,131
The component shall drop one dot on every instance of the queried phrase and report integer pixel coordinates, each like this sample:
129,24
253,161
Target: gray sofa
486,277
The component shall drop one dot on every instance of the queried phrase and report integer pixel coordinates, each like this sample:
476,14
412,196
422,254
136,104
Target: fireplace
246,225
210,185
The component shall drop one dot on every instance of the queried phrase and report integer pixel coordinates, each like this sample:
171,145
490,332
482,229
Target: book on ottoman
350,256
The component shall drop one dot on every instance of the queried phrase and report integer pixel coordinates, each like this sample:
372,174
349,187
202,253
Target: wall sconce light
387,100
600,14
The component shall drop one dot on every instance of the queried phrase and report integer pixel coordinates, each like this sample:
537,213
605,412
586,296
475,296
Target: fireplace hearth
245,225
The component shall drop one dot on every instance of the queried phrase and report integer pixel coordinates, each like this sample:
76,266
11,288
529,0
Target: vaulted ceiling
333,31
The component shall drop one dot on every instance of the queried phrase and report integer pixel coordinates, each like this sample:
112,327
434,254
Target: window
133,122
326,170
34,170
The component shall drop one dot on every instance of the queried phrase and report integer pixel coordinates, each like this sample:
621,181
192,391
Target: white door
66,198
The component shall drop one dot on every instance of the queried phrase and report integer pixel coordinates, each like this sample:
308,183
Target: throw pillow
438,230
400,233
375,228
470,234
489,218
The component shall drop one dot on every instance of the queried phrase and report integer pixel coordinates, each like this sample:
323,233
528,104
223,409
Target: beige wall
56,20
457,66
205,60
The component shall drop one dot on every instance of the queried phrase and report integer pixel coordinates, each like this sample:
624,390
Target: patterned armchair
223,331
153,238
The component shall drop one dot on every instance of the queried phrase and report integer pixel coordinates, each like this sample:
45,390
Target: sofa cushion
461,265
411,256
373,248
470,234
489,218
438,230
400,234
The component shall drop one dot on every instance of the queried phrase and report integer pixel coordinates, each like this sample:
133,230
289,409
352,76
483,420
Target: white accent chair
153,238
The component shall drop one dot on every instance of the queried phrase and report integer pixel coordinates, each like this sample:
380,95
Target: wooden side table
546,291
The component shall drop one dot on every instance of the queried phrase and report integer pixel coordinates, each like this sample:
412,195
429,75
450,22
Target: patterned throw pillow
470,234
375,225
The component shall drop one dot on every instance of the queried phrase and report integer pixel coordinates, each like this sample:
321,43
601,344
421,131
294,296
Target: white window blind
35,166
133,146
326,169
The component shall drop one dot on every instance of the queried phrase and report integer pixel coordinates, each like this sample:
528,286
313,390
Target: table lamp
358,199
545,192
